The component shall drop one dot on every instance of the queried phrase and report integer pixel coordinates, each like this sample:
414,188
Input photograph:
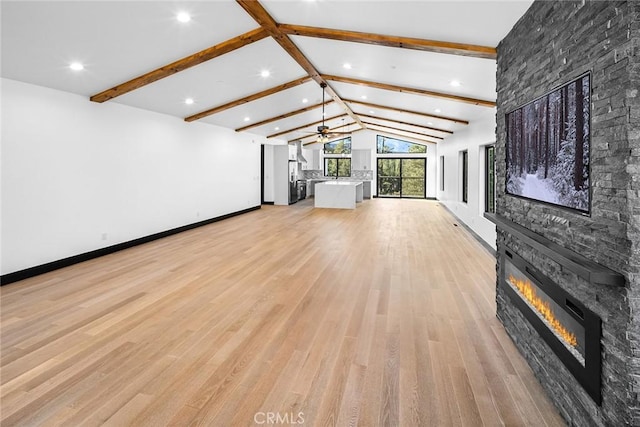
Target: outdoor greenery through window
387,145
401,177
337,166
490,180
341,146
465,176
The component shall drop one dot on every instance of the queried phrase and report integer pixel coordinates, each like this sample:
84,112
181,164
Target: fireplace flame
529,293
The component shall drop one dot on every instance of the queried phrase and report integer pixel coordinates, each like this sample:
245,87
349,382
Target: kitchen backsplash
366,175
311,174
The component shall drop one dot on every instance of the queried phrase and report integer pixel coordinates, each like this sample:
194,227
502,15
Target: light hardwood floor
380,316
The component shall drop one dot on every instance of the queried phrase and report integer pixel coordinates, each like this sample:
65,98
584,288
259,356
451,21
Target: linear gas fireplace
571,330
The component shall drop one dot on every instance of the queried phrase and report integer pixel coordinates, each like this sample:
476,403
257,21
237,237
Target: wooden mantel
589,270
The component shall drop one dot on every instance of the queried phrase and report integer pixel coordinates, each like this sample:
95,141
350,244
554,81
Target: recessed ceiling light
371,112
76,66
183,17
188,101
276,128
364,97
455,83
347,65
246,119
305,100
437,110
265,73
429,124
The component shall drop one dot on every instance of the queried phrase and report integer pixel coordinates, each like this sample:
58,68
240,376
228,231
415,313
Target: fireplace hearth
570,329
565,314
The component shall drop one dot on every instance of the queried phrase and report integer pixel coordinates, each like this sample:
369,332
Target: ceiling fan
323,132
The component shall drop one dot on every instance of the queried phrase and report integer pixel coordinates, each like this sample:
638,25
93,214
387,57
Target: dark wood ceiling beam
401,130
415,91
475,51
249,98
283,116
284,132
384,129
182,64
405,123
400,110
266,21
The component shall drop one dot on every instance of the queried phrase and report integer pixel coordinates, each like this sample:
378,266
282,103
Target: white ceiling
120,40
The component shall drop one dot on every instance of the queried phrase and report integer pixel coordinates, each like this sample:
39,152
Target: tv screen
548,147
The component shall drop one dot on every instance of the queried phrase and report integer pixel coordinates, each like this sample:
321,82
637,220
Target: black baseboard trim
473,233
268,203
66,262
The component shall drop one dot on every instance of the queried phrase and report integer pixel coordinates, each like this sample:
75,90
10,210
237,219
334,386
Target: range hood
299,155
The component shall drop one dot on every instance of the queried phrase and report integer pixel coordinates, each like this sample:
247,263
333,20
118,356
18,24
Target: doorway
402,177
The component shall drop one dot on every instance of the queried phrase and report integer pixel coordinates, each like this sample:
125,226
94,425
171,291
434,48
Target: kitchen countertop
339,179
334,182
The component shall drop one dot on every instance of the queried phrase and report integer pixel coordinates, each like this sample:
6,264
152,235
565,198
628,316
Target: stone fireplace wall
554,43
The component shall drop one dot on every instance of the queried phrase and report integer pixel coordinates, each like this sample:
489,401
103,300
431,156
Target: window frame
338,161
378,137
490,179
324,147
400,177
441,173
465,176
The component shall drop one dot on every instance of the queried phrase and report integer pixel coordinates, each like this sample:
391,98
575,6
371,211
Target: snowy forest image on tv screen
548,147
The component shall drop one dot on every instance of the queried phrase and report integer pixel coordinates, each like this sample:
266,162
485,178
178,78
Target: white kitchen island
338,194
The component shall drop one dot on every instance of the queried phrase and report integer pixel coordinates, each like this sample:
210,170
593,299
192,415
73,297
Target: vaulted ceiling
388,65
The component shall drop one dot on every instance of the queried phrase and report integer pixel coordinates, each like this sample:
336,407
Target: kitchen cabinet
293,154
360,160
313,160
366,186
366,189
338,194
311,186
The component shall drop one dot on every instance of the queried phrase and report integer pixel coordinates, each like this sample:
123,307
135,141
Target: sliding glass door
401,177
389,180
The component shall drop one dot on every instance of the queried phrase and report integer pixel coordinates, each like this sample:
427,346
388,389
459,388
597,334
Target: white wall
473,138
78,176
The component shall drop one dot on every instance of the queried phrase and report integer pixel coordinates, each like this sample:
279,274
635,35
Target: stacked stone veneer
552,44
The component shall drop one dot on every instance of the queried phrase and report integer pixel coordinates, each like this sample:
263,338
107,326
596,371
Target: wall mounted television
548,143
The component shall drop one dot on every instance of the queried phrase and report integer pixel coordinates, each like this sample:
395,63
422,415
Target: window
441,173
490,180
341,146
465,176
401,177
337,166
386,145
